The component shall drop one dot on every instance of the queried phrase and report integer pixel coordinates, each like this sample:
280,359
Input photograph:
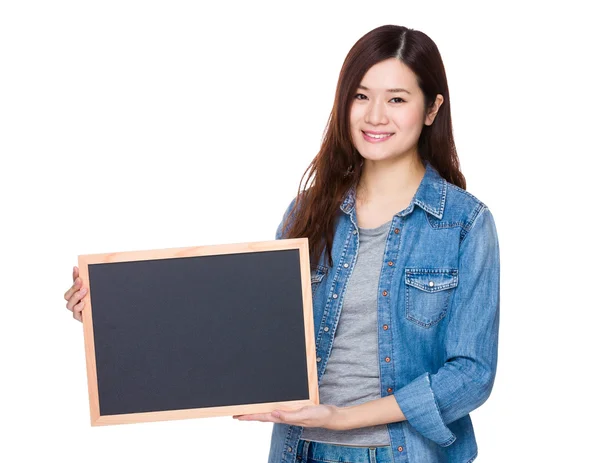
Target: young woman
405,270
411,258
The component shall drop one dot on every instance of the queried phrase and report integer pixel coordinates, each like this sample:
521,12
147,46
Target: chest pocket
428,292
316,277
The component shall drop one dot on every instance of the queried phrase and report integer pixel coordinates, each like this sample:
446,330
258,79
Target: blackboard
198,332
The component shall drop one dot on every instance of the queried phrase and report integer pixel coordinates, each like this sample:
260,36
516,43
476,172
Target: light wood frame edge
87,315
88,339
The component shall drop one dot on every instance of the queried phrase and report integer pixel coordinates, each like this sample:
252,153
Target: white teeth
383,135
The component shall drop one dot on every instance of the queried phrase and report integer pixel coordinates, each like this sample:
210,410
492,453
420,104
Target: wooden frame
88,315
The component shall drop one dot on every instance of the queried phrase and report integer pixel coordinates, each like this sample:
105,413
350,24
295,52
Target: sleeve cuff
417,402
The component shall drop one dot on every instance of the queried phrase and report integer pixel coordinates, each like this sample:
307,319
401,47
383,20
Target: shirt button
396,231
390,263
289,449
400,449
389,390
385,293
335,296
326,329
354,232
385,327
431,283
318,359
346,265
387,359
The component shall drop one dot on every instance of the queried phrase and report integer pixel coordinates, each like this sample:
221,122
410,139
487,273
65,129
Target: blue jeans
317,452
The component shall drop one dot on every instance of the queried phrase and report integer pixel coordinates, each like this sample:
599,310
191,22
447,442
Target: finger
75,298
77,315
77,308
76,285
291,415
255,417
75,273
264,418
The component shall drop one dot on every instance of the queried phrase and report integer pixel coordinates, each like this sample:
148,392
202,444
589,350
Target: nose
376,113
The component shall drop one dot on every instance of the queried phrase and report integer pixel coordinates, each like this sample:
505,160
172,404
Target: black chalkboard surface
198,332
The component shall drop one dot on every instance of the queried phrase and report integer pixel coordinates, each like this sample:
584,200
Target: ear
430,117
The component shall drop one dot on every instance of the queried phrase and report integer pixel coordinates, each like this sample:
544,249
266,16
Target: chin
376,158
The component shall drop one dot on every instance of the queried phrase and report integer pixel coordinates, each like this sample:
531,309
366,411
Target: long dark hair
337,167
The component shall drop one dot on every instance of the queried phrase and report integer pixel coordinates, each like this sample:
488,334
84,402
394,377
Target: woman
411,257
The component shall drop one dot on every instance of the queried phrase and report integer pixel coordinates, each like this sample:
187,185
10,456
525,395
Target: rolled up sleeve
435,399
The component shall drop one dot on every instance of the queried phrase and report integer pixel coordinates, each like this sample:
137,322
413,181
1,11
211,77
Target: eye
397,100
360,96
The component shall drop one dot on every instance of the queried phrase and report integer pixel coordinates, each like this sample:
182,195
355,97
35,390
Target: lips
376,137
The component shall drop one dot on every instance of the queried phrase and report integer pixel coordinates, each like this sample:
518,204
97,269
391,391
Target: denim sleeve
433,400
279,233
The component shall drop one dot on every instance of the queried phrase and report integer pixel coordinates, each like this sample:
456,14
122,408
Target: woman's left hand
309,416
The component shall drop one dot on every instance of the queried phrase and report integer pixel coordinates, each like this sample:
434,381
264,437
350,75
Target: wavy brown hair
337,167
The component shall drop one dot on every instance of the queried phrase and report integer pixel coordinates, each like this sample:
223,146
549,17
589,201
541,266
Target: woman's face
387,112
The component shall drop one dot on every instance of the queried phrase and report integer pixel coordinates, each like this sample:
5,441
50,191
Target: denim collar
430,196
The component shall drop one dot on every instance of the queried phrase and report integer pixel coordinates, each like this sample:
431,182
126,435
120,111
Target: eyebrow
391,90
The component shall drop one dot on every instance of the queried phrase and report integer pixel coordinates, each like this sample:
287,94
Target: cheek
409,120
354,136
355,121
355,116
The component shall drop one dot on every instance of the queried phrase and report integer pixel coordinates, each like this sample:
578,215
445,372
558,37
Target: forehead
391,73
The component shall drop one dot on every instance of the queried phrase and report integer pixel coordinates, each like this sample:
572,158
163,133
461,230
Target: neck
390,180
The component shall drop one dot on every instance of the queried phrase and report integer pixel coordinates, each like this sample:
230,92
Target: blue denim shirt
438,316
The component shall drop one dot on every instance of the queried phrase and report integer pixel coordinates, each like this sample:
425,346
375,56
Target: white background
143,125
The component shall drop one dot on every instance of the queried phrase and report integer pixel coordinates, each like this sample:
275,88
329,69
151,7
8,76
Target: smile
374,137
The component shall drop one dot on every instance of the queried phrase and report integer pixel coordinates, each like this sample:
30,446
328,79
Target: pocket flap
431,279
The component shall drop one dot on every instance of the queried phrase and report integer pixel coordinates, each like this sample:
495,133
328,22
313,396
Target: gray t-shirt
352,373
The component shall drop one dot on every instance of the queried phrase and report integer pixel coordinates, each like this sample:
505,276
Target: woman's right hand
74,295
